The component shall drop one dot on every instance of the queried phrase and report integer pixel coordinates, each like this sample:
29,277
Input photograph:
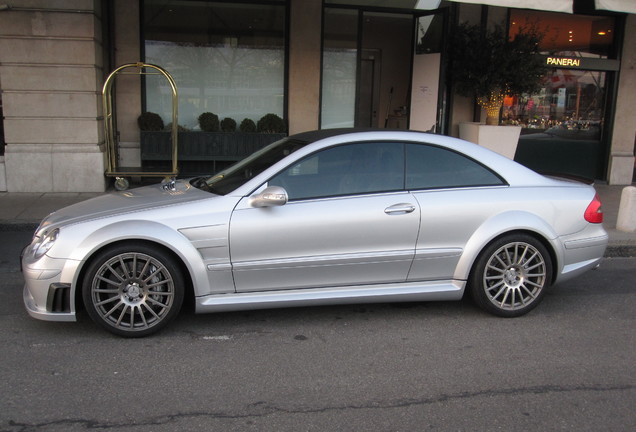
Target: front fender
503,223
143,230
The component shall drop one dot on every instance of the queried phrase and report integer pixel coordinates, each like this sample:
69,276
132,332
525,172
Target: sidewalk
23,211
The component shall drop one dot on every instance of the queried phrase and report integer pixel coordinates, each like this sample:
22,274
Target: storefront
565,126
314,63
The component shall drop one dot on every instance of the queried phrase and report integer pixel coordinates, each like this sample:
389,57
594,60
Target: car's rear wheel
511,275
133,290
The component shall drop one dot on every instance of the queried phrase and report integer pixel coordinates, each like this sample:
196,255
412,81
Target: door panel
324,242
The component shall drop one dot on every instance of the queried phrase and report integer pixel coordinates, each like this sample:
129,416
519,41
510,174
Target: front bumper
45,296
48,312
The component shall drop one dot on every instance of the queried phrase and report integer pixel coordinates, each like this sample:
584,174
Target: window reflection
569,99
226,58
567,35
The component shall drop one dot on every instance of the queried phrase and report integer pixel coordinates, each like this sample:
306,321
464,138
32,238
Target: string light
492,104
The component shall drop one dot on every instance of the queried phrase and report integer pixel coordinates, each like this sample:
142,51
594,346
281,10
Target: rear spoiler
571,177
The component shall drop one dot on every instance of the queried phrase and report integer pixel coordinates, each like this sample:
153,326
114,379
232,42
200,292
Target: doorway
367,59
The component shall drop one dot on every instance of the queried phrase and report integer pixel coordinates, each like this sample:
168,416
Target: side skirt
403,292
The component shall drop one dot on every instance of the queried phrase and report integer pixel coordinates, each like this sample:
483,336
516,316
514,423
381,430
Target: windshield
238,174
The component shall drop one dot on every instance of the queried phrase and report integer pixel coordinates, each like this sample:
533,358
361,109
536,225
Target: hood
115,203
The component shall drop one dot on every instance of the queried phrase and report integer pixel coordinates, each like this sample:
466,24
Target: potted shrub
228,125
271,123
209,122
216,146
487,65
247,126
149,121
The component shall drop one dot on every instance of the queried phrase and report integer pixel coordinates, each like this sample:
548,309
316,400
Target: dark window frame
405,160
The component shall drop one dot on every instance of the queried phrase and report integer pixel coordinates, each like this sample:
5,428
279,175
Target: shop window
226,58
563,122
569,99
567,35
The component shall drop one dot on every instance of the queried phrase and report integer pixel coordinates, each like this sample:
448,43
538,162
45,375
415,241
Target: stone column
51,75
621,168
128,90
304,65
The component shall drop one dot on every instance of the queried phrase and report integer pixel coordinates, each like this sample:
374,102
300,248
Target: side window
345,170
430,167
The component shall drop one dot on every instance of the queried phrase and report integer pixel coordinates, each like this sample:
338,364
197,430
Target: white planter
500,139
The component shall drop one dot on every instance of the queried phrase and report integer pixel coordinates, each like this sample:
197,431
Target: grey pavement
24,211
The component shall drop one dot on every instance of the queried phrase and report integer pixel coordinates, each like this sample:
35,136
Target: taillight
594,211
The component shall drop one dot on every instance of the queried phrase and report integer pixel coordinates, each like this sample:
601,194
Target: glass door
366,68
427,94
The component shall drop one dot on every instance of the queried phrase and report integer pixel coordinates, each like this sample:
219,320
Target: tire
133,290
511,275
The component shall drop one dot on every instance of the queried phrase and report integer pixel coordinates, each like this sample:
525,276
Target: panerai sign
587,63
563,61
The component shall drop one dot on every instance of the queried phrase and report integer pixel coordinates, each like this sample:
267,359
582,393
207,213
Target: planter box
201,152
500,139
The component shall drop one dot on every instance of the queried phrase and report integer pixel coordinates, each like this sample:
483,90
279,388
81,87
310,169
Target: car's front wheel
511,275
133,290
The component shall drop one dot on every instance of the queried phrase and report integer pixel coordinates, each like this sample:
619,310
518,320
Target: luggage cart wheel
121,183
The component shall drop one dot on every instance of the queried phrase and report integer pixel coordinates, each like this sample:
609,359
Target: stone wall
50,73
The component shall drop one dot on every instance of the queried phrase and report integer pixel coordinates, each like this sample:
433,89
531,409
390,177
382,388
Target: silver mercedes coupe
325,217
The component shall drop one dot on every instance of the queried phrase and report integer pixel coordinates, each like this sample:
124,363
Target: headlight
45,243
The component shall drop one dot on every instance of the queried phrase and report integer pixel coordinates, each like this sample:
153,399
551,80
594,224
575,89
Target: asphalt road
569,365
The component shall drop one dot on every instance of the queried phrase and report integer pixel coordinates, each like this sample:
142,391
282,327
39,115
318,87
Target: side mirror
270,197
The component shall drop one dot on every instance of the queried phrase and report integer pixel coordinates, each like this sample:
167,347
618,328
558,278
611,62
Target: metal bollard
627,210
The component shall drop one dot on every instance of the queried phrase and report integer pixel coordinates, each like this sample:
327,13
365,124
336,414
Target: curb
620,251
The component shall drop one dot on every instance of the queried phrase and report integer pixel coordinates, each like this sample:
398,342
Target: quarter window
430,167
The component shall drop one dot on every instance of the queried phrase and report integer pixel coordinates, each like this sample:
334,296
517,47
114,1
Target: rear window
430,167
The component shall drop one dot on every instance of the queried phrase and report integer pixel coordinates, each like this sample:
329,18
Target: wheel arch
151,233
507,224
189,297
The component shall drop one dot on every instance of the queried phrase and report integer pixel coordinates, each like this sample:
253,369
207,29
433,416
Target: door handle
402,208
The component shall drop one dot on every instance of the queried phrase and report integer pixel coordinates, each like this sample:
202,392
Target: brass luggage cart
122,174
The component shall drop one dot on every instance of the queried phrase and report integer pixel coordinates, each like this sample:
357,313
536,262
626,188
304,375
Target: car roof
512,172
317,135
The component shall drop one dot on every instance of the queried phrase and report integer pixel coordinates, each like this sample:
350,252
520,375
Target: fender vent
59,298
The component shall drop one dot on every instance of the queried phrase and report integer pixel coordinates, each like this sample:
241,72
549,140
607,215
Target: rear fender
501,224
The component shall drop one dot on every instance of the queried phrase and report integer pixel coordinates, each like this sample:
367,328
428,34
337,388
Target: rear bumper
582,251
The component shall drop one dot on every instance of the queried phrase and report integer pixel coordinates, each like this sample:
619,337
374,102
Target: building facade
314,63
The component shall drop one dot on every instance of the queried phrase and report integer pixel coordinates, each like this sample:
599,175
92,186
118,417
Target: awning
626,6
545,5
